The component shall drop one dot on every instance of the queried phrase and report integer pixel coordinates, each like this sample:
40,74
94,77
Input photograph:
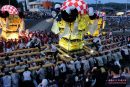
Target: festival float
72,20
11,21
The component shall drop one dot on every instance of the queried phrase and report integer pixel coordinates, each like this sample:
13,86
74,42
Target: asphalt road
41,26
45,25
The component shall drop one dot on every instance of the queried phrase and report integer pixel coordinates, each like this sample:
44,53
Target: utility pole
126,7
9,2
96,4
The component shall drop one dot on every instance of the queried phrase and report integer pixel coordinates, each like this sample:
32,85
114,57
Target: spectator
125,54
15,78
78,66
57,72
126,73
27,78
116,80
97,43
44,83
54,51
18,67
41,73
6,80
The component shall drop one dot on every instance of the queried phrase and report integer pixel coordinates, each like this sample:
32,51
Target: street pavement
41,26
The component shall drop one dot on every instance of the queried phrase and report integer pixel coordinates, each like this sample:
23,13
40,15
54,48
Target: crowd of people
24,42
109,43
105,69
118,23
37,15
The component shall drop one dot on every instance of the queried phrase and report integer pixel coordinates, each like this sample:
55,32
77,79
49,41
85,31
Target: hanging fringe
93,27
75,30
66,31
55,28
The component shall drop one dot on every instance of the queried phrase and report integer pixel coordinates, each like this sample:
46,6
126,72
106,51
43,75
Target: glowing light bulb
92,51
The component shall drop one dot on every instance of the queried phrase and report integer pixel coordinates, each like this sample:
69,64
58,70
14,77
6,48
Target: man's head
7,73
56,10
13,70
26,68
115,69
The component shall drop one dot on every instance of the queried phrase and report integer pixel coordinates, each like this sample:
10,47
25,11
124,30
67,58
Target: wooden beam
22,63
113,49
64,59
25,54
63,53
87,49
22,50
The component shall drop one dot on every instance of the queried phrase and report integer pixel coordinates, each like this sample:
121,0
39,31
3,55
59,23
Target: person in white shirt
54,51
27,78
6,80
53,48
110,33
44,83
116,58
125,51
28,45
26,75
97,39
8,50
97,43
125,54
128,45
